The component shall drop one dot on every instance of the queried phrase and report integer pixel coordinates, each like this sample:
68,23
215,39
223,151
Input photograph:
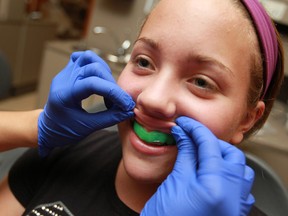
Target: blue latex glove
63,120
209,177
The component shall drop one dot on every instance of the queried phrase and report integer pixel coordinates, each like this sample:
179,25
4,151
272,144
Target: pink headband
267,36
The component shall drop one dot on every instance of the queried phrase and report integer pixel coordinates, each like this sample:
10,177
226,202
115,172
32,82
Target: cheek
224,124
220,117
131,84
122,78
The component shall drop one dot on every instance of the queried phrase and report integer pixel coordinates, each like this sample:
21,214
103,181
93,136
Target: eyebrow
200,59
149,42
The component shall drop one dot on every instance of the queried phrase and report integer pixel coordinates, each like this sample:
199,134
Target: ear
252,116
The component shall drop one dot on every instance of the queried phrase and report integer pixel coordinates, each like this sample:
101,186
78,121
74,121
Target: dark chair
5,76
270,193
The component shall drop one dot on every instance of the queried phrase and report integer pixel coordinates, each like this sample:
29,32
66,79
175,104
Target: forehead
213,28
210,14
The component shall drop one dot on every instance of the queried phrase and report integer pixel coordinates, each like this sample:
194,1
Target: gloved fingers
94,85
96,69
247,205
250,200
186,162
70,75
109,117
75,55
43,149
63,71
202,137
231,153
247,182
89,57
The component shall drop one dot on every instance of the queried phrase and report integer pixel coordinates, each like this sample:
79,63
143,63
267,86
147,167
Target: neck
132,192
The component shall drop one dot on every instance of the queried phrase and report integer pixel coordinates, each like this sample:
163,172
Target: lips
153,137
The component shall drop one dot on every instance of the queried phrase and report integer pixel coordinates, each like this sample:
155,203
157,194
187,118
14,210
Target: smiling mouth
153,137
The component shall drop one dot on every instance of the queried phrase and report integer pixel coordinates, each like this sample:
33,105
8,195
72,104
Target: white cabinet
22,43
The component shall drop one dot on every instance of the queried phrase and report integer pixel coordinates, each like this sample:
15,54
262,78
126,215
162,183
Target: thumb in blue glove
63,120
209,177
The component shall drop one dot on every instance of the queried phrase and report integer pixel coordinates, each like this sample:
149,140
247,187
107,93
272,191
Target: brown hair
255,92
272,91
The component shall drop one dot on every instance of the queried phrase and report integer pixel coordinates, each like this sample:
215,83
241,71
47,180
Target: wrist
32,138
19,129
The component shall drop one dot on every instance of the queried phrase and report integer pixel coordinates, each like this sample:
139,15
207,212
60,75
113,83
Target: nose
158,98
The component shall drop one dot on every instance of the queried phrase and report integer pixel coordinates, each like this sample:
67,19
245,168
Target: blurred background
28,28
38,36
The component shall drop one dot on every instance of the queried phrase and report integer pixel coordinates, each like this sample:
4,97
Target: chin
145,171
144,165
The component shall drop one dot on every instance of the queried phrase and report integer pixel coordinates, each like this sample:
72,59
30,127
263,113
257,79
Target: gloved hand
209,177
63,120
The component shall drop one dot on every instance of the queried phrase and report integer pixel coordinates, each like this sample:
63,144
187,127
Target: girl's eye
143,62
203,84
142,65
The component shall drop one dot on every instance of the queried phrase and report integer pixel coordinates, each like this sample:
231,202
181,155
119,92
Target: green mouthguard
156,137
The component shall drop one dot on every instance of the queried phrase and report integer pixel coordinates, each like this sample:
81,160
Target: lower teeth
154,137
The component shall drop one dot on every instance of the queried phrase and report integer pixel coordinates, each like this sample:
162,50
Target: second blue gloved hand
63,120
209,178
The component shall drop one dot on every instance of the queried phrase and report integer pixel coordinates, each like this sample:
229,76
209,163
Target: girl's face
191,59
